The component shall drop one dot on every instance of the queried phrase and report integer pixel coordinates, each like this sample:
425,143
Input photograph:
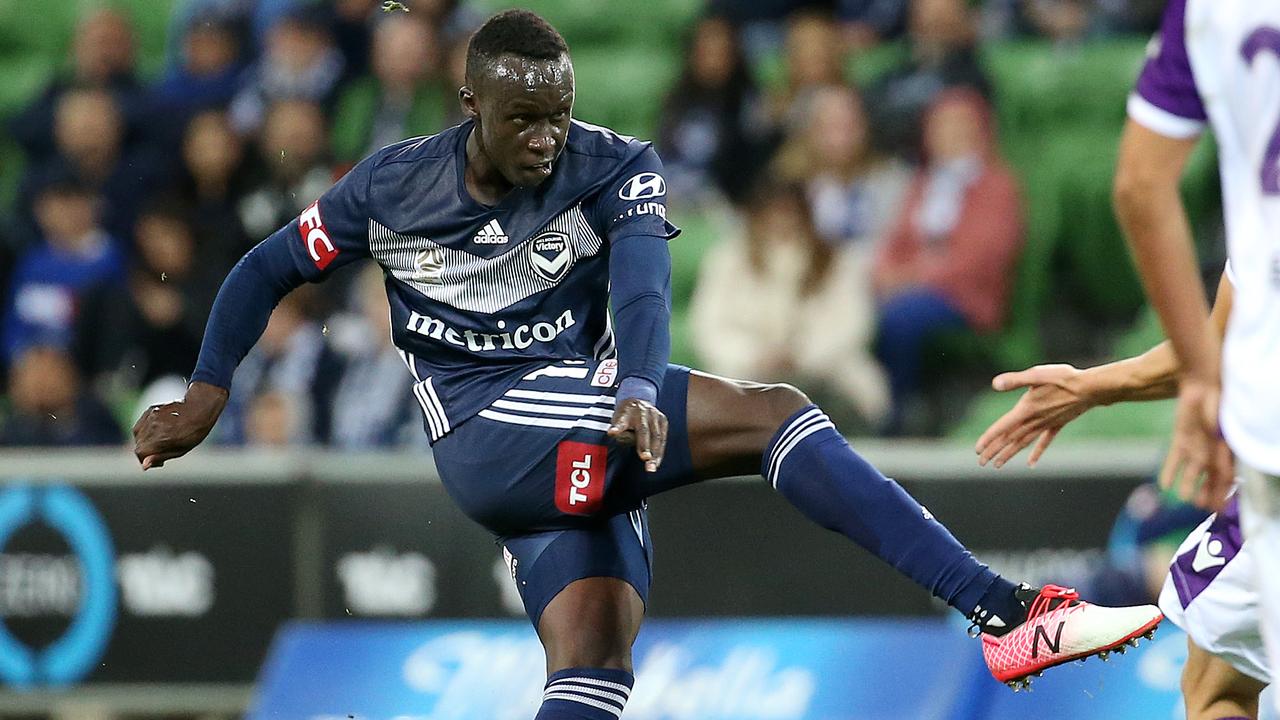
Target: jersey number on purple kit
1266,38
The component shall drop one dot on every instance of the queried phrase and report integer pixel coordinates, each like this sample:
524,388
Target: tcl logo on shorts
315,237
580,470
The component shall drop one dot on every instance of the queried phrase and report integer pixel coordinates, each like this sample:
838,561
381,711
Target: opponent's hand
1198,449
1053,400
639,423
171,430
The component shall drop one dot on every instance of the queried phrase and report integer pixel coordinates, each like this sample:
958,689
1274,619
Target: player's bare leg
738,428
1214,690
587,631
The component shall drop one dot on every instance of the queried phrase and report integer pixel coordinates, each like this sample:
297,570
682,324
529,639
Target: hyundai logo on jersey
643,186
550,255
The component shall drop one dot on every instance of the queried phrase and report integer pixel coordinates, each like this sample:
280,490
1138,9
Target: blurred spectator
293,151
49,407
298,62
49,280
401,99
814,58
714,123
949,261
941,36
214,172
129,334
854,193
274,420
102,57
866,23
291,359
454,19
207,75
781,304
89,133
373,405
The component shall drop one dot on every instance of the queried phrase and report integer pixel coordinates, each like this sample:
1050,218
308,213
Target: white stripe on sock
577,687
626,691
581,699
796,441
797,426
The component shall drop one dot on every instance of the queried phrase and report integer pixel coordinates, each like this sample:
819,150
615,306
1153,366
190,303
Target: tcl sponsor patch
580,474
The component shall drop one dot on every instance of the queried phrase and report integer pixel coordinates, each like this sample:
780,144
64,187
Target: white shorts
1210,593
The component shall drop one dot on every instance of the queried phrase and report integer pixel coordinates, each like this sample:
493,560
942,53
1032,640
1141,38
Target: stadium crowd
859,224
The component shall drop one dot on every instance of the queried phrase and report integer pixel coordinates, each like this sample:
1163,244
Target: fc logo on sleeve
643,186
580,471
316,237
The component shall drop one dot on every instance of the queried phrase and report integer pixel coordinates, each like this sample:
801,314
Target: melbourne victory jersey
1218,62
482,296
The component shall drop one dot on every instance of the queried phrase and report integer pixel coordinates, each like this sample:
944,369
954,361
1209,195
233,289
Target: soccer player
504,241
1216,63
1209,591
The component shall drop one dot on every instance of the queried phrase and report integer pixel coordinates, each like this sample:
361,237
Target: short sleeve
1166,100
334,230
635,201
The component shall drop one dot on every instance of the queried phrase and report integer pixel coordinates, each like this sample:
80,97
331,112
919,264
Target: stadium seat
24,77
623,86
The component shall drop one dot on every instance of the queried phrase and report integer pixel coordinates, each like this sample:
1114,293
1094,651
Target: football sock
585,694
812,466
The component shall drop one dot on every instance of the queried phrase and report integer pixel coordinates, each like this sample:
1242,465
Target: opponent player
1217,62
504,241
1209,591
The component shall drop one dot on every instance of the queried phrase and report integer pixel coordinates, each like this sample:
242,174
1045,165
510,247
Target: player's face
522,109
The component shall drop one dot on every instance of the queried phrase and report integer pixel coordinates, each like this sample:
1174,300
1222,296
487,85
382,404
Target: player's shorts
566,502
1210,593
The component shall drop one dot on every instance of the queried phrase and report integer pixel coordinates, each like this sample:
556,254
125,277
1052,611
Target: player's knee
782,401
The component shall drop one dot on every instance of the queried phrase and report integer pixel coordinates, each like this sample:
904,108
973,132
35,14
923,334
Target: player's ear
467,98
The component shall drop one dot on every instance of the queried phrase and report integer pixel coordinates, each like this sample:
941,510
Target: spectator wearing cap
49,281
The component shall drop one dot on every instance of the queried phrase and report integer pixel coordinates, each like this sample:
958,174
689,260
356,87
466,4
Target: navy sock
812,466
585,694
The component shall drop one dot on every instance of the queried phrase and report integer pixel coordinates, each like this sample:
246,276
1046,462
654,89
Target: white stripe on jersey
551,409
560,397
543,422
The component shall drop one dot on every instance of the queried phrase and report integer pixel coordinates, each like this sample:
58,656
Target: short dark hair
513,32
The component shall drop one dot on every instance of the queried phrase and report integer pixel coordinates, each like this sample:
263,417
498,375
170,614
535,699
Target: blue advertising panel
701,670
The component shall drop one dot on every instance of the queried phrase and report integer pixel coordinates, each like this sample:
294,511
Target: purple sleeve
1166,81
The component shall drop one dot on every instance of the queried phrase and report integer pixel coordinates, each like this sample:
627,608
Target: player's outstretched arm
1058,394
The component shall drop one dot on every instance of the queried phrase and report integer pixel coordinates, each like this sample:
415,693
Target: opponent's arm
1058,394
331,232
1153,218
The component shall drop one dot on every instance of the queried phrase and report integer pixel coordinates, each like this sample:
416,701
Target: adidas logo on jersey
491,234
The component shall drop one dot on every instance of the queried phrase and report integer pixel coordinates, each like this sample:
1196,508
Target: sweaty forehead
511,75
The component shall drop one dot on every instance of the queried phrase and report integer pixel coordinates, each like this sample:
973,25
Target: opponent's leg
732,425
587,631
1214,690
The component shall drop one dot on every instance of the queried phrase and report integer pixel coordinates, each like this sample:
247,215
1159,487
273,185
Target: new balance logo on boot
491,234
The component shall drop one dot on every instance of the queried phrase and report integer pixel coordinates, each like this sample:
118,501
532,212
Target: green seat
24,77
586,23
623,87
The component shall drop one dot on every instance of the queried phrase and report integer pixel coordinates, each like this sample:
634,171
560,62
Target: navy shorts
566,502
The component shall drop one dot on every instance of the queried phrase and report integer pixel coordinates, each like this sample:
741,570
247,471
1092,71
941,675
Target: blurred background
883,201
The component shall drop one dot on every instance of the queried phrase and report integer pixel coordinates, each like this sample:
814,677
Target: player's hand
1198,450
171,430
1054,398
639,423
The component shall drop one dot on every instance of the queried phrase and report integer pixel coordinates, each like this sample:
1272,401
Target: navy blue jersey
481,296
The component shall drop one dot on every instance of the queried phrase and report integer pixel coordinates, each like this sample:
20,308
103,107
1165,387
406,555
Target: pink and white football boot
1060,627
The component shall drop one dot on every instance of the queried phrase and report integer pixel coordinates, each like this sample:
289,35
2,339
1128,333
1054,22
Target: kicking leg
733,425
1214,690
